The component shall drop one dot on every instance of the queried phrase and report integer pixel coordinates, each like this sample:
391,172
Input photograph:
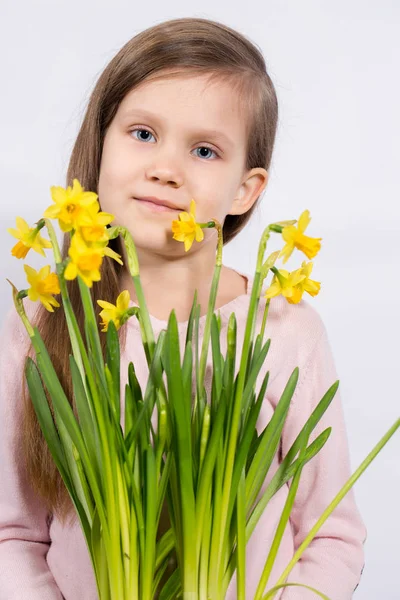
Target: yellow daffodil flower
29,238
187,230
286,283
295,238
86,259
293,285
308,285
114,312
43,285
69,205
92,224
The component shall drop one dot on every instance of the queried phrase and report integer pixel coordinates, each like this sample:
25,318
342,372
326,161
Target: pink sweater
41,560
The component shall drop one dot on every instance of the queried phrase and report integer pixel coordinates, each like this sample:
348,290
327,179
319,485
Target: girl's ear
254,183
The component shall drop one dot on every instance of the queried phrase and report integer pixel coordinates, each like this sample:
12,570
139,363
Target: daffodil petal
304,221
273,290
106,305
199,234
71,271
29,271
108,252
22,225
123,300
188,243
58,194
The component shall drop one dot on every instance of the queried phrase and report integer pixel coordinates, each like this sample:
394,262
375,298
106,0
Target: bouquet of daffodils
206,459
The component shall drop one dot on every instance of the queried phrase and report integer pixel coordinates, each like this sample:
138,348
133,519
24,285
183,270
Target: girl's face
175,139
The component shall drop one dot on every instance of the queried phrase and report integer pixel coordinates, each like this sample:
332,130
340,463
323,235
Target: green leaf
217,366
181,424
163,484
165,545
91,328
65,463
245,443
241,539
87,417
172,589
158,577
270,442
206,474
116,436
254,370
192,319
45,418
284,518
134,383
99,559
145,407
283,473
65,417
130,419
338,498
187,369
281,477
228,381
150,510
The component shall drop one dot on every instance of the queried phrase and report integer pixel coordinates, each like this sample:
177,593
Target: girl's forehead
184,93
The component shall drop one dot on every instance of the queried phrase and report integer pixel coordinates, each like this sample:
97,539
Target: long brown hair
190,46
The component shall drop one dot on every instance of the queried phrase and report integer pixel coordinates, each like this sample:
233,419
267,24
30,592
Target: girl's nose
164,175
166,169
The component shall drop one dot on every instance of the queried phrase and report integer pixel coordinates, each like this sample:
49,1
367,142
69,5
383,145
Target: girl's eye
142,129
148,133
206,148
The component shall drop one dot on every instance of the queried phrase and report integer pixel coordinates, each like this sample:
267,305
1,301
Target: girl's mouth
157,207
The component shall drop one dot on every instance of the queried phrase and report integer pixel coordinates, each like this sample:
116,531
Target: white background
335,66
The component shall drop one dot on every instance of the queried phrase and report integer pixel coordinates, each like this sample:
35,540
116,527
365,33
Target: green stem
133,266
68,310
271,593
125,526
264,321
19,305
211,305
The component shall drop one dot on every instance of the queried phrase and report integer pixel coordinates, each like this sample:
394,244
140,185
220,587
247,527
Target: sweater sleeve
24,522
334,560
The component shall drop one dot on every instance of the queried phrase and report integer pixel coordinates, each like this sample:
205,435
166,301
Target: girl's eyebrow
211,133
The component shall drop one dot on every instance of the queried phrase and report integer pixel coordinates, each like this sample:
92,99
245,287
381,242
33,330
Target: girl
185,110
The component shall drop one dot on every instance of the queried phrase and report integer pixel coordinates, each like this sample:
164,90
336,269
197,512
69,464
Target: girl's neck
165,292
